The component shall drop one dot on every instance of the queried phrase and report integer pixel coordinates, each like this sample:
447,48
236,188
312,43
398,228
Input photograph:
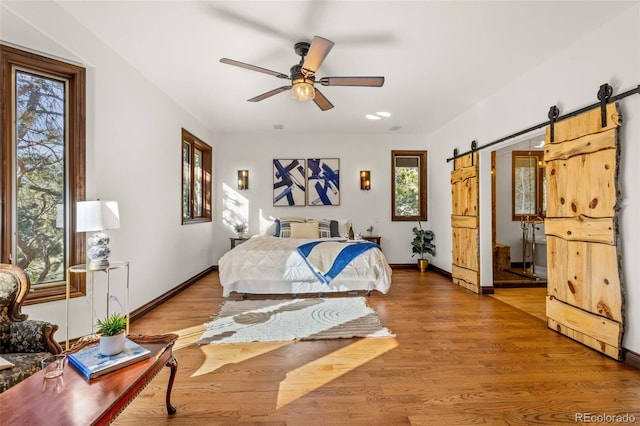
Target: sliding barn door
465,223
584,290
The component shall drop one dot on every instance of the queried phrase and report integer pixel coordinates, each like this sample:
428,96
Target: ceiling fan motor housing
296,74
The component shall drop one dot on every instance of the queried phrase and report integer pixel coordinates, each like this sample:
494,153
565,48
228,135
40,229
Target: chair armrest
33,336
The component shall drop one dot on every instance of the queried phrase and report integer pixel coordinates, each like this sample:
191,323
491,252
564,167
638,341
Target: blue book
91,363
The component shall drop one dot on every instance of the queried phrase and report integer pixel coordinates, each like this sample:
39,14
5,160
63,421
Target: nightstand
372,238
237,241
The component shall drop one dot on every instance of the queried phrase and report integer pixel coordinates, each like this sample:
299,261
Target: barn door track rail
605,96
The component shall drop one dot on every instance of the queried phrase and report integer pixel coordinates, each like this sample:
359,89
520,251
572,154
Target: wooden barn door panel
584,288
465,223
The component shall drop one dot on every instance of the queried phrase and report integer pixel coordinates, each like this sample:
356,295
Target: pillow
324,228
343,227
304,230
285,225
333,228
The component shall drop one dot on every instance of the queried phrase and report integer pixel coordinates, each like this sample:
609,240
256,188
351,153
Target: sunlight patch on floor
217,356
318,373
187,336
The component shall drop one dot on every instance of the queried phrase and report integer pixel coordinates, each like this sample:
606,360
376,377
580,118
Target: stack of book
91,363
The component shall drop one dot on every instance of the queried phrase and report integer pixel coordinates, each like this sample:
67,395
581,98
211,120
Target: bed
274,265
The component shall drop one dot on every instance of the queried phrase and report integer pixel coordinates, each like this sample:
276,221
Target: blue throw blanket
327,259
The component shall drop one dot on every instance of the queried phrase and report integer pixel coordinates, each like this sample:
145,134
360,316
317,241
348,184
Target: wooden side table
372,238
236,241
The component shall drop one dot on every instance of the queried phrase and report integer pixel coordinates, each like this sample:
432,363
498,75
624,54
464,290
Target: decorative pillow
304,230
274,229
333,228
324,228
343,227
285,225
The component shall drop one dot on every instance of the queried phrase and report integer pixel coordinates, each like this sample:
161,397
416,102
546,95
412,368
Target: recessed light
372,117
384,114
394,128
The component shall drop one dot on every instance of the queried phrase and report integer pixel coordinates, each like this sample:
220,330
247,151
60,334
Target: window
196,179
528,184
43,146
408,185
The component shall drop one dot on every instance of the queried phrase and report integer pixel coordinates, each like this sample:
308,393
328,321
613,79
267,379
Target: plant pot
423,264
111,345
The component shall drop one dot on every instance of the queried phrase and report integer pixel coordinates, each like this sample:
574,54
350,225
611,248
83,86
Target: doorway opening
519,241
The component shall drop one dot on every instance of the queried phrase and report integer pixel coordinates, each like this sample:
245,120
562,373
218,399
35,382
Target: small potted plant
370,230
240,228
112,334
422,244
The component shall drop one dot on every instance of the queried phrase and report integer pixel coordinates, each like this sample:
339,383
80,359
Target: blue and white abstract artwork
289,182
323,181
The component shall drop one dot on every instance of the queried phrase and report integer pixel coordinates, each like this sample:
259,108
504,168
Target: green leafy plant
112,325
422,242
240,228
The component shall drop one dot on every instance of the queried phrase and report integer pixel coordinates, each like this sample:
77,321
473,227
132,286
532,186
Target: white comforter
271,265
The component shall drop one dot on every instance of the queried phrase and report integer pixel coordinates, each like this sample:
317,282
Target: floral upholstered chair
23,342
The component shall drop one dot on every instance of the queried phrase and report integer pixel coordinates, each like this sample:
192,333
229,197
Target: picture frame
323,181
289,182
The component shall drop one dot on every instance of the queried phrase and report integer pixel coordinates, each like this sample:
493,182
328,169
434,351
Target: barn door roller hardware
604,94
553,115
474,148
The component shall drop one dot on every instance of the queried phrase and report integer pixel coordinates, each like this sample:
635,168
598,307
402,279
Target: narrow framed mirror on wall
528,185
408,185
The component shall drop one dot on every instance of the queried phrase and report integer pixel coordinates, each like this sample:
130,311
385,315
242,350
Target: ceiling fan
303,74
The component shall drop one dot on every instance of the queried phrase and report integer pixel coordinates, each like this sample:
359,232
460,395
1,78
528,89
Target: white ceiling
438,57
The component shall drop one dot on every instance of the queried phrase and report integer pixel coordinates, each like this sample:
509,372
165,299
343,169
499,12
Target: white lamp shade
97,215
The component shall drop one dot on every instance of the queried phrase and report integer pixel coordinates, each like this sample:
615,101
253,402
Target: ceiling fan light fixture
303,90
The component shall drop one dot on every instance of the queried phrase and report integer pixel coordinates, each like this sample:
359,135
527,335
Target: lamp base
98,264
98,251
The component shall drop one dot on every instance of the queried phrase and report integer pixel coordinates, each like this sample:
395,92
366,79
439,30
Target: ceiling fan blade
352,81
320,48
245,21
321,101
269,94
253,68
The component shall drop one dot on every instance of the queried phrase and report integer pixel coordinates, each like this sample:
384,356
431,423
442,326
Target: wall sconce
365,180
243,179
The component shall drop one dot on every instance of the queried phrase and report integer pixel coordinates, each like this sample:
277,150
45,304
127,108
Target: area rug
293,319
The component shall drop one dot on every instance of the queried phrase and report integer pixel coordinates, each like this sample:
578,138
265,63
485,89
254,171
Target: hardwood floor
531,300
458,358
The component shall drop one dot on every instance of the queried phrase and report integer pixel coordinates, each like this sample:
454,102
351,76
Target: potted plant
240,228
112,334
370,230
422,244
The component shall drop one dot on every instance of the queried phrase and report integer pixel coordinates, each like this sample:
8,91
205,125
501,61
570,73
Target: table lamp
97,216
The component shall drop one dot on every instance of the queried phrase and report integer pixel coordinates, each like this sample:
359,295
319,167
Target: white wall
570,80
133,156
